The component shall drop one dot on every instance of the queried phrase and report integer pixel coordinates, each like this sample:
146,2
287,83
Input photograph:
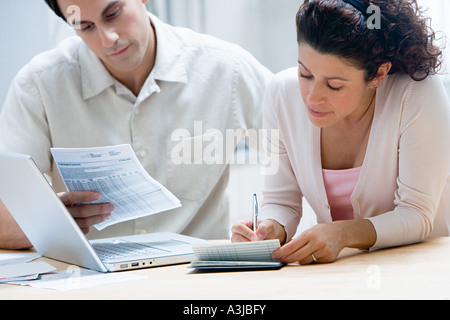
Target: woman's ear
383,71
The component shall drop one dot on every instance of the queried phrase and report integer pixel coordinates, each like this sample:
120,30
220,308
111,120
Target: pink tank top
339,185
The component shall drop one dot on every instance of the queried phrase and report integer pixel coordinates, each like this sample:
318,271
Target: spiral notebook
240,255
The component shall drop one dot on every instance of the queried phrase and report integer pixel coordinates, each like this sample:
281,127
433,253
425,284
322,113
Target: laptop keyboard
120,250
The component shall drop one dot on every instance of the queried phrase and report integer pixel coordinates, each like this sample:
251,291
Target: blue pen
255,212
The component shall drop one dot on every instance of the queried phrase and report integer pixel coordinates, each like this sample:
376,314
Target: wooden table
419,271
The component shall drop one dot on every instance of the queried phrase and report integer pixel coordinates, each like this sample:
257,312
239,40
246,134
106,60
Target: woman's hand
267,229
86,215
323,242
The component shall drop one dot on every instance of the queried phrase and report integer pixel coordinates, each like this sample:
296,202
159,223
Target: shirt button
136,111
142,153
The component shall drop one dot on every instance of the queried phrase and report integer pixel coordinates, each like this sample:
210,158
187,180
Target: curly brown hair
404,37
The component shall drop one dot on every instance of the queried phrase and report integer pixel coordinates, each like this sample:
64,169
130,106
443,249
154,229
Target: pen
255,212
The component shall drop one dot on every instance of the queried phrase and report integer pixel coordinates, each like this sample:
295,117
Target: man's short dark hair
53,4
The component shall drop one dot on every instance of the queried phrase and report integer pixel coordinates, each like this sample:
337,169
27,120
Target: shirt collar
169,65
94,76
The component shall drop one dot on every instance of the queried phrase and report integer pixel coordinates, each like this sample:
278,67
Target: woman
365,140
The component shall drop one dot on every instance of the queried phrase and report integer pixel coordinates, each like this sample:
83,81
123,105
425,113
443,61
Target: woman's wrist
359,233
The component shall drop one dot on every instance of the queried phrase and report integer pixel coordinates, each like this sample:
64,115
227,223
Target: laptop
54,233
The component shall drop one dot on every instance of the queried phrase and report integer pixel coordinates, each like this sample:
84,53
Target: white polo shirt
199,87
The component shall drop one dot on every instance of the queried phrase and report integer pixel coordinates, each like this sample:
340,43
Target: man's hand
86,215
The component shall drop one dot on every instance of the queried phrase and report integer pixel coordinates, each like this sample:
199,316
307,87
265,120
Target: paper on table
24,269
255,254
116,173
20,257
76,278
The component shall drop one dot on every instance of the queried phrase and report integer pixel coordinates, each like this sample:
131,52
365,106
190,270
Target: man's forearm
11,236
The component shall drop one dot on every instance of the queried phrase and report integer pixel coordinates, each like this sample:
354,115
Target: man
129,78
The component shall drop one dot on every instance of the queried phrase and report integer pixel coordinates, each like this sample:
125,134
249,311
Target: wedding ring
314,258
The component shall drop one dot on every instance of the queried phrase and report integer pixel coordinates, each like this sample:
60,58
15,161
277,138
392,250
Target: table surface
418,271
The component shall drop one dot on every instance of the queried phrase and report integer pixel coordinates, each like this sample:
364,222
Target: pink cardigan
404,184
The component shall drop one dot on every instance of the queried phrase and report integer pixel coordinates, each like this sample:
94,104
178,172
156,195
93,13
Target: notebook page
240,251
